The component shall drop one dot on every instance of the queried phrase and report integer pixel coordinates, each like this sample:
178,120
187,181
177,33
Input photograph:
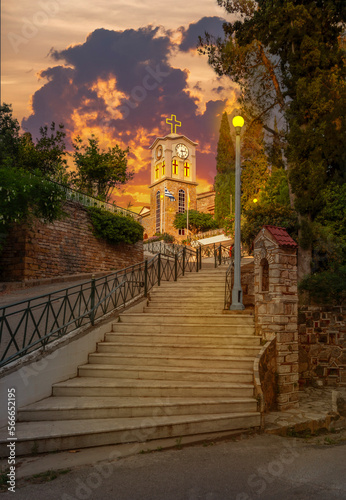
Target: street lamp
237,292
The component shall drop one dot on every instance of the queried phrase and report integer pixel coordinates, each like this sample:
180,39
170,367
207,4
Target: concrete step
176,350
186,309
166,373
172,339
155,360
197,318
151,327
65,408
106,387
46,437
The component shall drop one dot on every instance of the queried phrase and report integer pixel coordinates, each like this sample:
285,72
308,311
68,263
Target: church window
186,169
157,170
158,212
163,168
181,208
181,232
175,167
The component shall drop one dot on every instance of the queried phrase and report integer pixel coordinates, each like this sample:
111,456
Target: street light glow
238,121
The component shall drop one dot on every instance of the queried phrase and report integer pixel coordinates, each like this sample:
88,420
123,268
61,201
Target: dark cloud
150,89
218,89
211,25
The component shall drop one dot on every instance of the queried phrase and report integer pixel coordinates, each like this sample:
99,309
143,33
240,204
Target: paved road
260,467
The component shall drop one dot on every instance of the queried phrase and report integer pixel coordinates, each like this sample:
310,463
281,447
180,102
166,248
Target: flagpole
187,215
164,219
162,197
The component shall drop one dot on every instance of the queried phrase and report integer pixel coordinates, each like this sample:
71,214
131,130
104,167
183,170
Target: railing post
146,278
196,260
92,299
200,257
215,261
184,255
220,254
175,267
159,270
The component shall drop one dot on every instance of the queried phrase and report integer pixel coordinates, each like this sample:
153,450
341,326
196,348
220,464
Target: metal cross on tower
174,123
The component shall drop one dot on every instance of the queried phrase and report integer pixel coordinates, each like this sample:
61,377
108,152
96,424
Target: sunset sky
118,69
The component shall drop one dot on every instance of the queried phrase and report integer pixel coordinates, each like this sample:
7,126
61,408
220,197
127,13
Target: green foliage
224,182
276,189
24,195
46,156
115,228
289,59
228,225
98,172
325,288
225,158
224,186
260,215
198,221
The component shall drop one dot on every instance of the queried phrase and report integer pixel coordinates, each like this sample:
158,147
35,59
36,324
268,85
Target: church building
173,182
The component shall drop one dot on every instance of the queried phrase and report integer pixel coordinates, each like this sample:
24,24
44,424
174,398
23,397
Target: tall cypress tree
224,183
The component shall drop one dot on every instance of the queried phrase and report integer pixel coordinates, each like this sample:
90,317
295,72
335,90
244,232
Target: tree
198,221
255,170
9,137
288,58
98,171
224,183
47,154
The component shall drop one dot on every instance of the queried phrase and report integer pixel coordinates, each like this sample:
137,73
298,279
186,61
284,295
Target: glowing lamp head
238,121
255,200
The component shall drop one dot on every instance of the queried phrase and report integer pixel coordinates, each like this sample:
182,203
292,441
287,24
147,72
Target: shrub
326,288
115,228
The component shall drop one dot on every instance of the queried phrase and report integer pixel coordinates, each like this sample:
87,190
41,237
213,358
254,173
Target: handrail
30,324
228,286
90,201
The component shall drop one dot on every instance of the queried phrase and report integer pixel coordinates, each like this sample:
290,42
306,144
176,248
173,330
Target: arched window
264,275
158,212
181,208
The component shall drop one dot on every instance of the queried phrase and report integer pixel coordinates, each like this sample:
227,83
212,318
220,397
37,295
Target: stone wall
322,345
268,375
206,202
276,309
65,247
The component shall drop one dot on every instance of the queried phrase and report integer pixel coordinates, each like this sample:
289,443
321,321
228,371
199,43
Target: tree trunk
304,262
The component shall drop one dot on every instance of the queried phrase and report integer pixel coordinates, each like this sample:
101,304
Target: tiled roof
281,236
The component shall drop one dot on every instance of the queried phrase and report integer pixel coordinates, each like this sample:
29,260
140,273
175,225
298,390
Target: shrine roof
281,236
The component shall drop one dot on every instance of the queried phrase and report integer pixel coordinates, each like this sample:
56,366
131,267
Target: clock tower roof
172,137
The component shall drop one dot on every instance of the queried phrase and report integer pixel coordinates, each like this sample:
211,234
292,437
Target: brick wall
322,345
62,248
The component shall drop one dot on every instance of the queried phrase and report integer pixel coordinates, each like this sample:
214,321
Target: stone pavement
322,407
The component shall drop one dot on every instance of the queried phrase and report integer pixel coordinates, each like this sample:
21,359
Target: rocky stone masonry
322,345
276,306
62,248
268,376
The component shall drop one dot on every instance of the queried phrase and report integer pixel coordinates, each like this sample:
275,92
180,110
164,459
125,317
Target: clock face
159,152
182,151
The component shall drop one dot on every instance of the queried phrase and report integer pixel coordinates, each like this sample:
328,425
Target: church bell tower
173,179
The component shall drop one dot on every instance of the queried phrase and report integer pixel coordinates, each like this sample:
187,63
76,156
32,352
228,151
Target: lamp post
237,292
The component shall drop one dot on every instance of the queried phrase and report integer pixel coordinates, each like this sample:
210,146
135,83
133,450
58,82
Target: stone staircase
181,367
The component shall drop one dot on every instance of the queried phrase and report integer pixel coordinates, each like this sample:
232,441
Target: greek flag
169,194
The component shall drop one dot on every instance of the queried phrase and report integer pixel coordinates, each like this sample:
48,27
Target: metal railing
163,248
228,286
89,201
32,324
